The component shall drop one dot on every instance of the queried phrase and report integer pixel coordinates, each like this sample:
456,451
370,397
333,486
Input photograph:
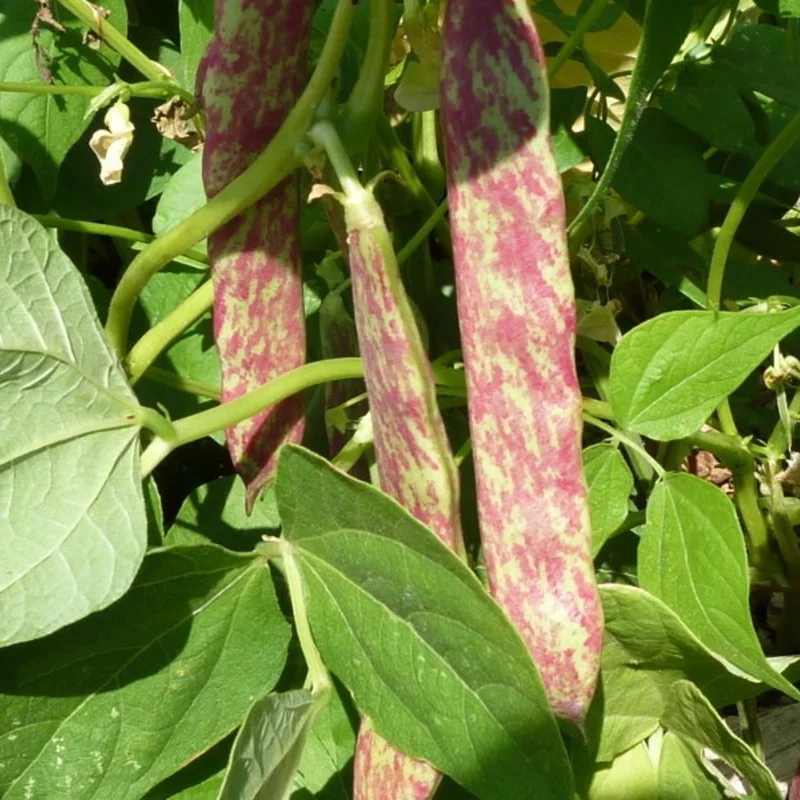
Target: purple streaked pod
516,310
249,79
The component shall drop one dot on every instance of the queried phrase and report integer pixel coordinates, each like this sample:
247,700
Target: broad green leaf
662,172
647,649
216,510
669,373
692,557
427,654
758,54
41,128
73,528
196,18
691,716
116,703
681,774
708,104
269,745
610,485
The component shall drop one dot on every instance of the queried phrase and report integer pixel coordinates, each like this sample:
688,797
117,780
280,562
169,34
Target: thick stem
163,333
280,158
87,13
366,99
777,148
189,429
575,39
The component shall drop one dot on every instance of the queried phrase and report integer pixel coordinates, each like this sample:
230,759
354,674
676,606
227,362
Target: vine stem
157,89
196,426
114,231
626,440
280,158
317,673
576,37
158,338
88,14
777,148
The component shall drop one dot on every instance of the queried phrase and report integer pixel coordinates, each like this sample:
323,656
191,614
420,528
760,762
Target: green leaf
116,703
646,649
427,654
708,104
692,717
662,172
759,55
610,485
42,128
196,19
671,372
73,528
692,557
680,773
217,510
182,196
269,745
632,775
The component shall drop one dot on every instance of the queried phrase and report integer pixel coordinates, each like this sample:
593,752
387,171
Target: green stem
6,195
626,440
101,229
280,158
317,673
182,384
153,89
423,233
576,37
197,426
734,455
163,333
777,148
357,122
425,147
396,155
598,408
751,730
87,14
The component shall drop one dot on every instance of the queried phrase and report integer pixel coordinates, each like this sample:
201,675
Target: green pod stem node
517,318
249,80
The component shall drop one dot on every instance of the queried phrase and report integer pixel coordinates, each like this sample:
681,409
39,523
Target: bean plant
398,398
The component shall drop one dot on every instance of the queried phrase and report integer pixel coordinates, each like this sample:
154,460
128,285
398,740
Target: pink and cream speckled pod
249,79
517,319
